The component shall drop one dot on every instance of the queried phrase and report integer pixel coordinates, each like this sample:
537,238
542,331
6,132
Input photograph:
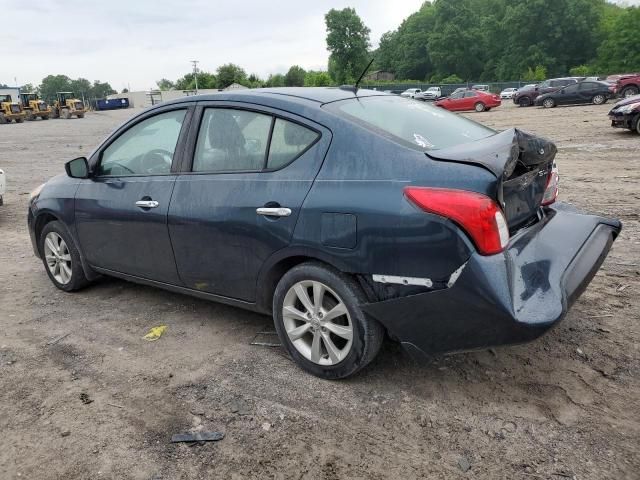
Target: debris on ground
197,437
266,426
266,338
155,333
57,339
65,433
84,397
464,464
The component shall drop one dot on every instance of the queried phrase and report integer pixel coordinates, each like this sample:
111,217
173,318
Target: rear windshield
415,124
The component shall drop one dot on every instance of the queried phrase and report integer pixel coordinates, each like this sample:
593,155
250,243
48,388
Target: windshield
412,123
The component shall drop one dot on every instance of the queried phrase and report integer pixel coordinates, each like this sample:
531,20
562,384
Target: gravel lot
566,406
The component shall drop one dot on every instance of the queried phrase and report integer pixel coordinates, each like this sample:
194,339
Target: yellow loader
66,106
34,107
10,110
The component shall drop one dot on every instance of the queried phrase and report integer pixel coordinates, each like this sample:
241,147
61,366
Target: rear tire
629,91
30,116
45,117
479,107
19,120
327,290
3,119
61,257
64,113
548,103
599,99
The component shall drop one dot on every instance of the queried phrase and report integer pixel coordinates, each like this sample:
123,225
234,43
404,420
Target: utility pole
195,73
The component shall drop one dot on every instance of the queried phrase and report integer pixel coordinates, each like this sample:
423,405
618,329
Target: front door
250,173
121,212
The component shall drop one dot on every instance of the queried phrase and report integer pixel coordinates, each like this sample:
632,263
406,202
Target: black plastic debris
197,437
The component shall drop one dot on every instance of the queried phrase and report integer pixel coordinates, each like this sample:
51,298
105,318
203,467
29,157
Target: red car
470,100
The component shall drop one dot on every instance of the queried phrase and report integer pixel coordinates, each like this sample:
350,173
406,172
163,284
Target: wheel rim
479,107
598,99
317,322
548,103
630,92
58,258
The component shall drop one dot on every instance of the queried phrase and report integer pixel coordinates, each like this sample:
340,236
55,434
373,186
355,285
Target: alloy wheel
58,258
317,322
548,103
598,99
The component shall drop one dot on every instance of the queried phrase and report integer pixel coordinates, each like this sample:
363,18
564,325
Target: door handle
274,212
147,204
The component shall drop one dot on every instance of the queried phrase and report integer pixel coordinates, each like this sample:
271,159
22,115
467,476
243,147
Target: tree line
81,87
498,40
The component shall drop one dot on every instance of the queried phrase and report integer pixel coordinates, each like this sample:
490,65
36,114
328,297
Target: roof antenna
355,87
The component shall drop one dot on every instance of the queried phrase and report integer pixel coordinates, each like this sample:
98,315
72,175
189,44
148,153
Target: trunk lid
521,163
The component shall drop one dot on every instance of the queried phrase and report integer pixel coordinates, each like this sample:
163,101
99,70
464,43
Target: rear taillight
551,192
475,213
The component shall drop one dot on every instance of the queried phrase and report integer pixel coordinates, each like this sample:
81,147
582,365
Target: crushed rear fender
509,298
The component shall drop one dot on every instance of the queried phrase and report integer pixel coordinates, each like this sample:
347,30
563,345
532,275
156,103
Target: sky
133,43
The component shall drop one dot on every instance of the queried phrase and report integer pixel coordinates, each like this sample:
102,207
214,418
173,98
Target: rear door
469,100
586,91
121,212
569,94
248,172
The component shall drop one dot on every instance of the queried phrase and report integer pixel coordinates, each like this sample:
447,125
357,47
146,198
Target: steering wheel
157,160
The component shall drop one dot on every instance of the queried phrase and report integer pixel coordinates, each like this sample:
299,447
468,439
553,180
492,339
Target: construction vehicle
34,107
66,106
10,110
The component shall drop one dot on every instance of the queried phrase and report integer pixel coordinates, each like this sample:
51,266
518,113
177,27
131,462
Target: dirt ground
566,406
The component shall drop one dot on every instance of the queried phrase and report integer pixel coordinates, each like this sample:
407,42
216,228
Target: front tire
629,91
61,257
317,315
524,101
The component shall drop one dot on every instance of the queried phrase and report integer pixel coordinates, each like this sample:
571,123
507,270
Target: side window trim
186,167
96,158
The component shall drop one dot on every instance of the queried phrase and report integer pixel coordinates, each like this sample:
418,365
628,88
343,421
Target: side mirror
77,168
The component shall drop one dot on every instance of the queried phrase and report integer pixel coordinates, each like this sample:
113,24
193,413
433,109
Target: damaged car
347,215
626,114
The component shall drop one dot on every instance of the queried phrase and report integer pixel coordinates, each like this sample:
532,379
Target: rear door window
470,94
288,141
232,140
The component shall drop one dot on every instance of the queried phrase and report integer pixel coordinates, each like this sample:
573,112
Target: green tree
348,44
27,87
317,79
254,81
100,89
295,77
230,73
164,84
276,80
580,71
451,79
619,51
535,75
51,84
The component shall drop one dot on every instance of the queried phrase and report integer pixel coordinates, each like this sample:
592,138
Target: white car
508,92
3,186
431,93
411,92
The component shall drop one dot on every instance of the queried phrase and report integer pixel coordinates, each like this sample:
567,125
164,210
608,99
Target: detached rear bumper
509,298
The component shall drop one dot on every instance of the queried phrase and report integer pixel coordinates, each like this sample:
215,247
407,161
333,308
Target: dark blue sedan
344,214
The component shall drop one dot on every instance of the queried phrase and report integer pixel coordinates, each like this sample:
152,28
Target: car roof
319,95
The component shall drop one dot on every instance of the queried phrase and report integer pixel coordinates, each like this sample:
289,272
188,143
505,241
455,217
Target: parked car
527,95
508,93
3,186
626,114
284,201
470,100
411,92
577,93
430,94
628,86
482,88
